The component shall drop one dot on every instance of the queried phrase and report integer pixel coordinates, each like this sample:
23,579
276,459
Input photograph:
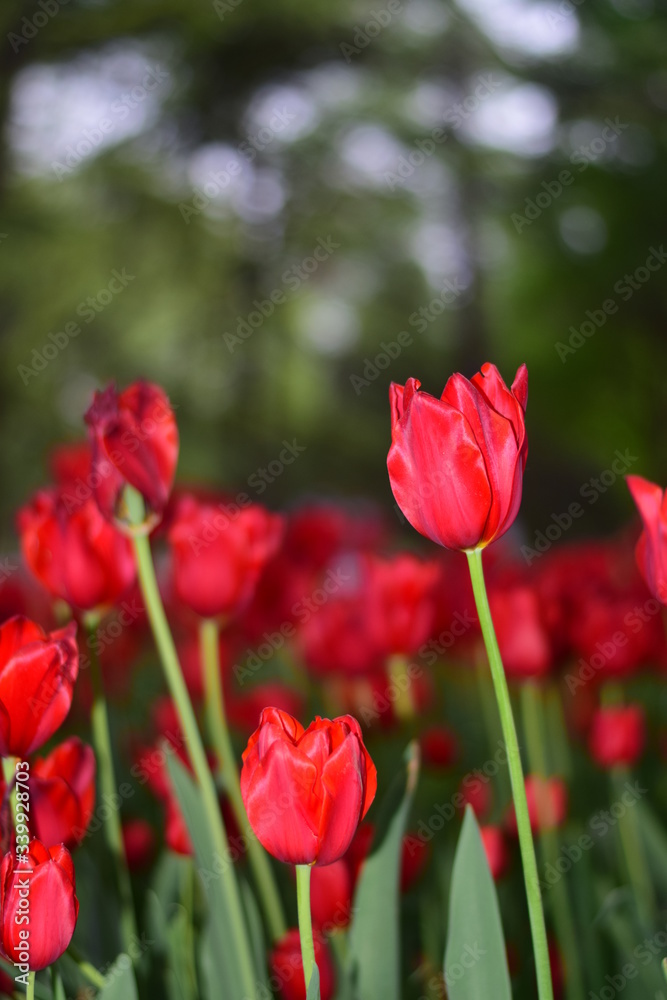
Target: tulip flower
402,601
217,558
74,552
651,551
521,630
37,675
287,968
62,793
306,791
331,889
618,735
139,841
456,463
134,440
47,896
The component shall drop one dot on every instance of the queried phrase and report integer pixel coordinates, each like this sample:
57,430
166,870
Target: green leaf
58,988
120,982
314,985
375,944
475,956
219,959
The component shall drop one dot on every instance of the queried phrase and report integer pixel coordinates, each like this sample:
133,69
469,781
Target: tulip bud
134,440
37,675
306,791
287,968
617,736
62,793
37,896
139,843
456,463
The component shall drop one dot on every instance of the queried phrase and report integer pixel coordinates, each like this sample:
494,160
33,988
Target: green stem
30,992
305,921
8,773
397,674
113,832
92,974
538,929
219,732
633,851
193,741
534,725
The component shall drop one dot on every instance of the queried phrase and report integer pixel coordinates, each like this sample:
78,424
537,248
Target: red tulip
62,793
37,675
456,463
496,850
46,896
439,747
139,843
306,791
652,546
402,601
331,895
134,439
287,968
217,558
522,633
618,735
547,804
74,553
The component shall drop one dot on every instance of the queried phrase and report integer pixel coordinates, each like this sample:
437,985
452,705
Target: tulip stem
633,850
535,728
113,832
527,847
398,676
193,742
305,921
219,732
30,990
9,773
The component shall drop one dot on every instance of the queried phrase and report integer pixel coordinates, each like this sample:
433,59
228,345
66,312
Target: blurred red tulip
134,441
331,889
439,747
456,463
287,967
37,675
618,735
139,840
402,606
547,804
62,793
47,895
521,630
218,558
74,552
306,791
495,847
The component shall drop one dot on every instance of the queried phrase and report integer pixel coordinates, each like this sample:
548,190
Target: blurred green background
499,166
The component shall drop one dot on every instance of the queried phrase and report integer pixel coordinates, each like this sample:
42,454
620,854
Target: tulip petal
344,784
